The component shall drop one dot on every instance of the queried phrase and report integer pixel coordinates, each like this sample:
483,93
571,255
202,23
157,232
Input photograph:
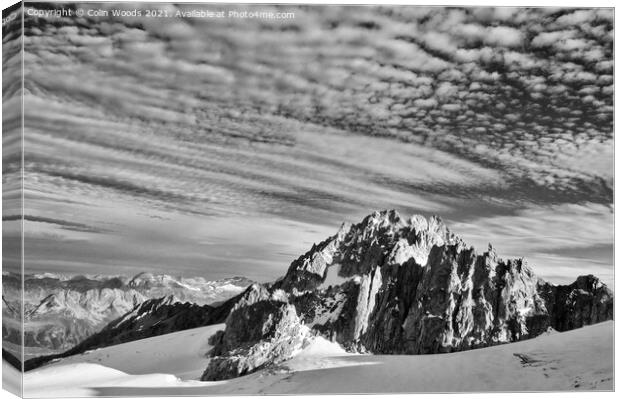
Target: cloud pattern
491,117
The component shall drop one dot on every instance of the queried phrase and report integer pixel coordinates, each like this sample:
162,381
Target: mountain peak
389,285
383,218
357,248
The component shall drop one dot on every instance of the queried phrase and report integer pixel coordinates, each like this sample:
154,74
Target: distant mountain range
386,285
61,311
151,318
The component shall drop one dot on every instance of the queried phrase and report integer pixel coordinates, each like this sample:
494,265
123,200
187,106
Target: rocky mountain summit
394,286
61,311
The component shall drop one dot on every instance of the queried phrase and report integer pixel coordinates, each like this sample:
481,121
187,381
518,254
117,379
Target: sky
223,147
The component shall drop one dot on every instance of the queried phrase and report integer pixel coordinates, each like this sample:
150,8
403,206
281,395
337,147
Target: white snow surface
333,278
581,359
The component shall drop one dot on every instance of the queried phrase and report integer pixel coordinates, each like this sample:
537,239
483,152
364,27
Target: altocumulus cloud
473,113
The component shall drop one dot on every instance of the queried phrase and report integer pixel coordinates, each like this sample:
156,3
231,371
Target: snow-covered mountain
60,311
384,286
389,285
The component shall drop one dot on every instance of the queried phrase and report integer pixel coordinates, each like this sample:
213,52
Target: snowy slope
182,354
168,365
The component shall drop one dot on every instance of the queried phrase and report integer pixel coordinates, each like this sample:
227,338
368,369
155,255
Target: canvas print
211,199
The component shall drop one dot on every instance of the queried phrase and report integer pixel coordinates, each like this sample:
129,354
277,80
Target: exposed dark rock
257,335
389,285
586,301
335,313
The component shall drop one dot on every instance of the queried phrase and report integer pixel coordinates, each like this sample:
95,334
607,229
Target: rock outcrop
586,301
389,285
258,334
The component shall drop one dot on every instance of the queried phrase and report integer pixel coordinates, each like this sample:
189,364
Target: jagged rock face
261,332
358,249
331,312
464,300
586,301
387,285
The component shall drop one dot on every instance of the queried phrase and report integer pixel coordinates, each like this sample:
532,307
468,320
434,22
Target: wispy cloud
560,241
473,113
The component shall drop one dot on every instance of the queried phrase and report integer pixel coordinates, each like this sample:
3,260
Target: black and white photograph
207,199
